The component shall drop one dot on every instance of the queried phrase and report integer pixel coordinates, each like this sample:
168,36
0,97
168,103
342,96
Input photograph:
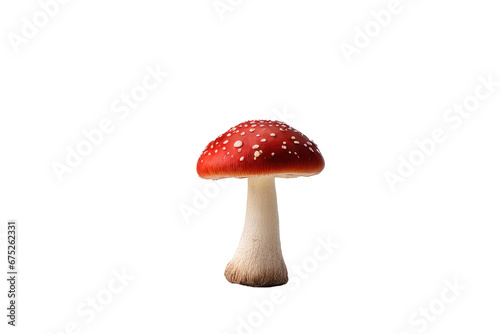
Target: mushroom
260,150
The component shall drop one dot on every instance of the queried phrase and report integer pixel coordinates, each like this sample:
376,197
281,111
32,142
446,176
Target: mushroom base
258,261
242,273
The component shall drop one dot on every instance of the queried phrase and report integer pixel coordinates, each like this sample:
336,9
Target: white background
119,209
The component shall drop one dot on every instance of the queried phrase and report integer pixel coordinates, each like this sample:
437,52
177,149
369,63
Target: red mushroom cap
257,148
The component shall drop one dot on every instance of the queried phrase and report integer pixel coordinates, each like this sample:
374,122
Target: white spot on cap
311,149
283,147
238,143
229,135
284,143
224,148
272,154
257,154
242,158
263,140
252,130
255,146
293,137
273,134
225,142
296,142
243,133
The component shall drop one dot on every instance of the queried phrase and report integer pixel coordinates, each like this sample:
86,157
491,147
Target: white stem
258,260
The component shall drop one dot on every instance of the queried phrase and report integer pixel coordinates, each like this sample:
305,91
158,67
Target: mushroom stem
258,260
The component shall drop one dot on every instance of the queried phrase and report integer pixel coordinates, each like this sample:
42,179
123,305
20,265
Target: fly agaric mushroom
260,151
